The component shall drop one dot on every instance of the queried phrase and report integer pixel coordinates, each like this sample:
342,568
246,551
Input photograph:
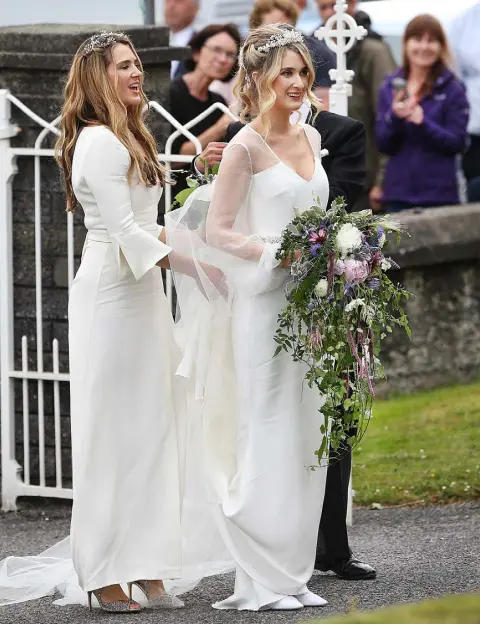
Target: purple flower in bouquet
339,267
373,283
315,249
349,290
356,270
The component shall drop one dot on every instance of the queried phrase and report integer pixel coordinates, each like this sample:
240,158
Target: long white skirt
126,463
268,510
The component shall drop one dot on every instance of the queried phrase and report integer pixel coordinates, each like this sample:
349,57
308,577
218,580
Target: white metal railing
16,479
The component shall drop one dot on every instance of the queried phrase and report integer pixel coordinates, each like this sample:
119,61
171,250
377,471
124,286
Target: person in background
323,60
179,16
371,59
214,57
422,126
464,39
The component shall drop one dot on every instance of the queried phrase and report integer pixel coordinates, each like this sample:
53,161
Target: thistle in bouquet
341,303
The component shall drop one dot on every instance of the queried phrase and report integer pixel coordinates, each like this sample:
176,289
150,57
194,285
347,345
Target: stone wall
34,61
441,268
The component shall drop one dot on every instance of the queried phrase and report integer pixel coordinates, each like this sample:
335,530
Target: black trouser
332,534
471,158
471,168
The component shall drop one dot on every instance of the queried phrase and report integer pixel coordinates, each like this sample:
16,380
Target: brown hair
416,28
256,94
91,99
261,7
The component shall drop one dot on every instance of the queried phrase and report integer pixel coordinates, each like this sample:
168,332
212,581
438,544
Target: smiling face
423,51
217,56
125,74
291,84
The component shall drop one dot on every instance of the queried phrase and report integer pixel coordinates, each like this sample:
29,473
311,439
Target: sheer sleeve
226,222
105,170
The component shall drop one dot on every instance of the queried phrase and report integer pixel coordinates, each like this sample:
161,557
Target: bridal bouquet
341,304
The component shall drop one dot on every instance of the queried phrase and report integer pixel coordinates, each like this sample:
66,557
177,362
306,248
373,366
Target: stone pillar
34,61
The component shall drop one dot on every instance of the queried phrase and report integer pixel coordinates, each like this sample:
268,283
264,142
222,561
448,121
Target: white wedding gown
262,423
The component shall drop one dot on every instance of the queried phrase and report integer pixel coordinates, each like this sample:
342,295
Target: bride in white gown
261,422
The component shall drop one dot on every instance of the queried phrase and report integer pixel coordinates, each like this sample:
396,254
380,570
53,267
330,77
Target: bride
261,423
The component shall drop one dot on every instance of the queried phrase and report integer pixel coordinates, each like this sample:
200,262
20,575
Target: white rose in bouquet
348,239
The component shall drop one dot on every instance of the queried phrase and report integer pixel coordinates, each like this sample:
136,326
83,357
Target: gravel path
419,553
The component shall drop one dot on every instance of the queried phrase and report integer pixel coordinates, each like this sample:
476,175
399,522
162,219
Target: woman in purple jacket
422,122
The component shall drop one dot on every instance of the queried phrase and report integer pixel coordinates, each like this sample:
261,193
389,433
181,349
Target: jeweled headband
276,41
102,40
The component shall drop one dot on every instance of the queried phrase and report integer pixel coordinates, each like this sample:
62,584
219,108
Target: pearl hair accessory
103,39
277,41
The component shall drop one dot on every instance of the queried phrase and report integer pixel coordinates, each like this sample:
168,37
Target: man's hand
376,197
287,261
211,155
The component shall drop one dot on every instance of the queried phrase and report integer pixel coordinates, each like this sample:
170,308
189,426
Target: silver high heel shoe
120,607
162,602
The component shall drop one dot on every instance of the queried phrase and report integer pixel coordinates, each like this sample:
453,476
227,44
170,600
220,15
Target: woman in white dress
126,472
128,410
261,422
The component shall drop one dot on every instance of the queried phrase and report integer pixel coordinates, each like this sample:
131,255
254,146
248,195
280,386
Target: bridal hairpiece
101,40
277,41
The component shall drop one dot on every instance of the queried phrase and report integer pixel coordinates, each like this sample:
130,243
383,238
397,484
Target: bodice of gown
276,191
118,208
143,200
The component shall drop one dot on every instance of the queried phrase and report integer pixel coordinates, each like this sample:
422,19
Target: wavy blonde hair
91,99
259,70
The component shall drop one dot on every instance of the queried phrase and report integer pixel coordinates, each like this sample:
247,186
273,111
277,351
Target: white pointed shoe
311,600
286,603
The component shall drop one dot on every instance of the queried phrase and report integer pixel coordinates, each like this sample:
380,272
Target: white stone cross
340,33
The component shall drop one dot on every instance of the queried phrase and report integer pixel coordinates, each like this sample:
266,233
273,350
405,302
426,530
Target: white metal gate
16,479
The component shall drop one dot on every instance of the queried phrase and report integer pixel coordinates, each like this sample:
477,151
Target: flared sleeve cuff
138,250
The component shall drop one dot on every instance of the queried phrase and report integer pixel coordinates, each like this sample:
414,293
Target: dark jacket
344,138
422,168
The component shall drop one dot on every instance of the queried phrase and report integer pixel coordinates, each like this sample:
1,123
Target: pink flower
356,270
318,237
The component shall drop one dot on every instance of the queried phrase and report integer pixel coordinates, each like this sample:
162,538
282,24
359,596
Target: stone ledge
51,46
438,236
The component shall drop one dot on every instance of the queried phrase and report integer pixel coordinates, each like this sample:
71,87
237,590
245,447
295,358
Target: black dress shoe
351,569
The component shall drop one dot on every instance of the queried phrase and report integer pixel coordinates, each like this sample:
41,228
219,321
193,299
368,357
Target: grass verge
450,609
422,448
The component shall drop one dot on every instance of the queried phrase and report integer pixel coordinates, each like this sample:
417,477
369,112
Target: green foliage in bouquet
341,304
194,181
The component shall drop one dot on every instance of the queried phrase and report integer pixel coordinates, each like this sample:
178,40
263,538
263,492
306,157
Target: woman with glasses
214,57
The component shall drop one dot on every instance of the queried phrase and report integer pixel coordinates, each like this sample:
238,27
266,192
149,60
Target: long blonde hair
255,93
91,99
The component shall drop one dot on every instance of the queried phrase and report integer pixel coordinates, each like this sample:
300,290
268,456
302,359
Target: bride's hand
287,261
216,277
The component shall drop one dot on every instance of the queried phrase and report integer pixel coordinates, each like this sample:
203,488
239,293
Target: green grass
423,448
451,609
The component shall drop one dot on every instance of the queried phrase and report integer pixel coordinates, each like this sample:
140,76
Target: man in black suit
344,138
